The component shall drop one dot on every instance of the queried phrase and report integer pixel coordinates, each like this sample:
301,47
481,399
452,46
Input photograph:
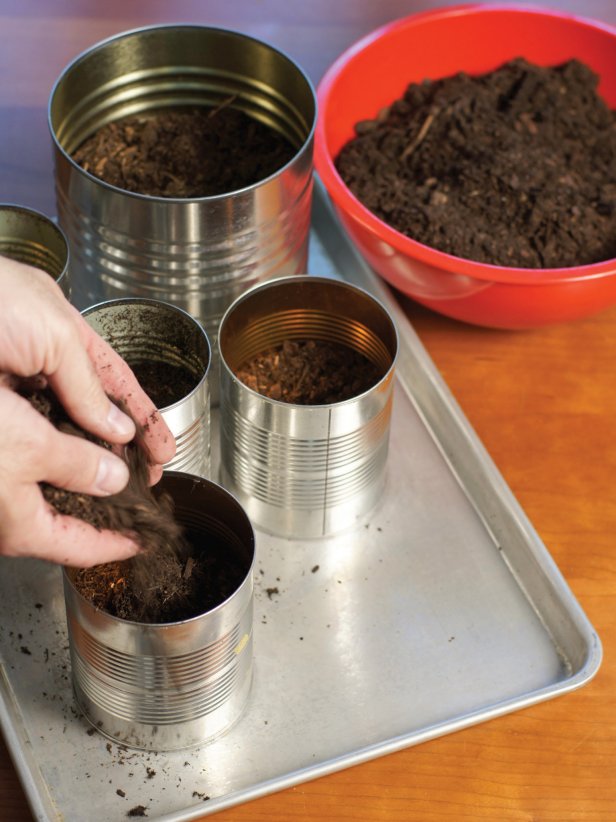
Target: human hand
42,334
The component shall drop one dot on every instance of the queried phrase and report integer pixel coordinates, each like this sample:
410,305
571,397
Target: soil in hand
309,372
176,576
185,152
516,167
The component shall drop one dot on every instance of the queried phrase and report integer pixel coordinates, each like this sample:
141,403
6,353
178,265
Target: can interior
208,511
204,507
168,66
141,330
307,308
31,238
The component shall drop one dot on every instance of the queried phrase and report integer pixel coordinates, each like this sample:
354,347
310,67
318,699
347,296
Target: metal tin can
32,238
175,685
197,253
142,330
305,470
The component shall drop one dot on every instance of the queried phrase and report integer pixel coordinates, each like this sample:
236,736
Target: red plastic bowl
476,39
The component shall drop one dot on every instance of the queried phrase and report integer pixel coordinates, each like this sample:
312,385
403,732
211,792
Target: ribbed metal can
32,238
170,686
152,331
196,253
305,470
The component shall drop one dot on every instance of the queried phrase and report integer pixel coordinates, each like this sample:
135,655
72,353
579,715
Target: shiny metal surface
154,331
32,238
299,470
177,685
200,253
441,609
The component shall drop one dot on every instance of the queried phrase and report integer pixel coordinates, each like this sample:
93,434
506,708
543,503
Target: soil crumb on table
309,372
185,152
516,167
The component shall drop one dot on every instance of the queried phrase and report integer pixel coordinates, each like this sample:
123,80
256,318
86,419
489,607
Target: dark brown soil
309,372
185,152
177,576
187,584
164,383
516,167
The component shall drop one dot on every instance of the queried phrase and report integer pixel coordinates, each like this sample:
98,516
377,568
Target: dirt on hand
516,167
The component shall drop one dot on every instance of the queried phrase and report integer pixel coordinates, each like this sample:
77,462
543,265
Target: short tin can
197,253
32,238
153,332
305,470
164,687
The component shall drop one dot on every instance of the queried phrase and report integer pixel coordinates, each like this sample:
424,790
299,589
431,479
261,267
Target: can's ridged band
305,470
32,238
176,685
154,331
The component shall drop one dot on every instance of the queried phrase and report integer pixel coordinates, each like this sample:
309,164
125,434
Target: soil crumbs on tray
173,578
309,372
185,152
516,167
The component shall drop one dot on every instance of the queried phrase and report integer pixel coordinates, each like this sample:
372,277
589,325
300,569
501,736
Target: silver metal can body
32,238
305,470
152,331
169,686
197,253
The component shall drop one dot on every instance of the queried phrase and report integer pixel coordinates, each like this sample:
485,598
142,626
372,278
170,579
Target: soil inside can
309,372
178,575
185,152
165,383
516,167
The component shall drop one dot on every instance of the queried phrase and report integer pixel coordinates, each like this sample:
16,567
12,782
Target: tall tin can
170,686
154,332
196,253
32,238
305,470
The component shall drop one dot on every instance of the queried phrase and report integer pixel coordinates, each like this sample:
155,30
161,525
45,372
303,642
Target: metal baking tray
440,609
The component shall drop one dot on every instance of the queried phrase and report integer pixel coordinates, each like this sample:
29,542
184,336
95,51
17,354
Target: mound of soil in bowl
176,576
309,372
516,167
185,152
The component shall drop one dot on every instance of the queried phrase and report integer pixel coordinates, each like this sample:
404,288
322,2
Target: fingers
61,539
64,460
40,334
119,381
80,391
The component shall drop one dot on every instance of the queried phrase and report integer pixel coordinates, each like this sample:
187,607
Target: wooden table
543,402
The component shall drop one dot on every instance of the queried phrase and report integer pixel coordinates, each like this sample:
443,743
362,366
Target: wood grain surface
543,402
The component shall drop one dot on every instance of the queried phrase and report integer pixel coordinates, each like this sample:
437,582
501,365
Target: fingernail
119,422
112,475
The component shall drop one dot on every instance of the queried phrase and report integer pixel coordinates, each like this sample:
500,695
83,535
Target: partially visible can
151,331
305,470
176,685
197,253
32,238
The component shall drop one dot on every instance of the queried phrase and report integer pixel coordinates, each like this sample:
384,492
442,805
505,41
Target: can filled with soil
170,685
169,352
307,368
32,238
183,167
